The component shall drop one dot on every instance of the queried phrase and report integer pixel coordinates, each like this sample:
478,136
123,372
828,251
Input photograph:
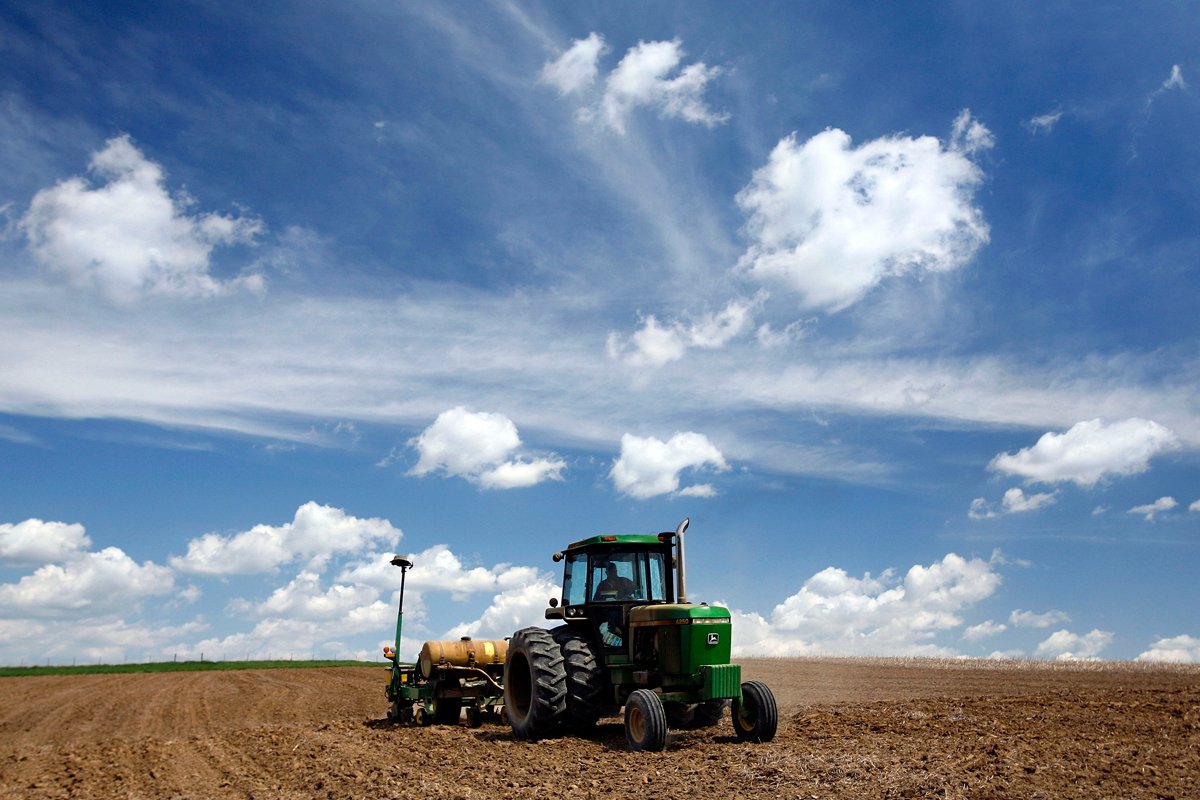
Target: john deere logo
714,638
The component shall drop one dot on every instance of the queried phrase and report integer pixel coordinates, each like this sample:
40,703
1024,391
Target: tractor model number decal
714,638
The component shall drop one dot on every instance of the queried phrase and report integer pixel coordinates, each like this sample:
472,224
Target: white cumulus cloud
831,221
511,610
437,569
480,446
36,542
576,69
315,533
1159,506
129,236
1176,649
1064,645
649,75
109,640
836,613
648,467
1089,452
304,598
644,78
984,630
1031,619
1015,501
87,584
654,345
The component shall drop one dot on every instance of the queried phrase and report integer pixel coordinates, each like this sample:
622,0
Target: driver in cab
614,587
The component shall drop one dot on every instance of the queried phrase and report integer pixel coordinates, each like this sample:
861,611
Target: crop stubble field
849,728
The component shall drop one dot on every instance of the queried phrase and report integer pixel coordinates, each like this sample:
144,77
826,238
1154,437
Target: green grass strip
176,666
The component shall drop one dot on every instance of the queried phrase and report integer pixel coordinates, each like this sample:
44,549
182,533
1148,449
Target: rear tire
535,684
755,715
585,680
645,721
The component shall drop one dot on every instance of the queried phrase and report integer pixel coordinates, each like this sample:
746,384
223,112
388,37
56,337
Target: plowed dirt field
848,729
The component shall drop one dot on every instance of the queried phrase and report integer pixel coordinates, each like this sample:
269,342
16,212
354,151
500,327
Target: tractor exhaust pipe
680,573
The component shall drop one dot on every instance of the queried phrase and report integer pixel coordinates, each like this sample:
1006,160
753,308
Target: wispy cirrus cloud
1044,123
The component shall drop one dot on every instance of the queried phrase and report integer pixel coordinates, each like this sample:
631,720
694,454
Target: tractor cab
604,577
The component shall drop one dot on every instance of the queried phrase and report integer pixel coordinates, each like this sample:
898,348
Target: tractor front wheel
535,684
755,715
645,721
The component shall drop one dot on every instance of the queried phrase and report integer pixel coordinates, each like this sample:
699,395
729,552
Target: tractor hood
678,614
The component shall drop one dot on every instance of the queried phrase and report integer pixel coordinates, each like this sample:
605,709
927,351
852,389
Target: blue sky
896,302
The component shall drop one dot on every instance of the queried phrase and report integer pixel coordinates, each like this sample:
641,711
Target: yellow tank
465,652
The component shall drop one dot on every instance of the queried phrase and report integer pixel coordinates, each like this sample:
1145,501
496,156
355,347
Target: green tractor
630,638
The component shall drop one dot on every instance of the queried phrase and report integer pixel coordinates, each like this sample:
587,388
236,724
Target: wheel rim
746,718
637,724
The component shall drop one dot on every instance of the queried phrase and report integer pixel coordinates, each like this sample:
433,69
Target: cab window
618,576
575,580
621,577
658,575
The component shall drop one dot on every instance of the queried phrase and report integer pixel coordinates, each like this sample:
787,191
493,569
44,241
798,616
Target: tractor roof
622,540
